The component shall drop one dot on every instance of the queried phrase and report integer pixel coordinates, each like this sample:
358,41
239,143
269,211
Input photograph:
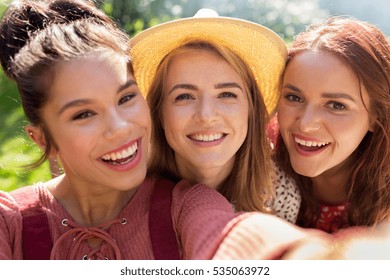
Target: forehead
324,72
87,74
320,62
193,61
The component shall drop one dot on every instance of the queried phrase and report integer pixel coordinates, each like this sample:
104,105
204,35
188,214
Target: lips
122,156
310,146
206,137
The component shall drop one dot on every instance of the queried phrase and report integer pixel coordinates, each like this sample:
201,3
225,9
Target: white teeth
310,143
122,154
207,138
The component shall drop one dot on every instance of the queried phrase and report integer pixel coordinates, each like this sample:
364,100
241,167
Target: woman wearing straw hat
211,83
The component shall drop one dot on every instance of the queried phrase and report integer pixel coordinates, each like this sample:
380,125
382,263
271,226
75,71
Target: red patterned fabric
272,130
332,217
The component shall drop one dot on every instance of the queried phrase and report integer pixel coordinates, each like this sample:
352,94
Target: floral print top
332,217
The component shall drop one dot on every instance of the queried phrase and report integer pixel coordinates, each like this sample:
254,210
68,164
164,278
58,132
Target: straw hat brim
259,47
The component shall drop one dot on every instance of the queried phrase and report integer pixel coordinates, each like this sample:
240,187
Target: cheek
350,134
66,132
65,138
283,118
243,121
146,117
139,115
165,118
355,124
174,118
170,123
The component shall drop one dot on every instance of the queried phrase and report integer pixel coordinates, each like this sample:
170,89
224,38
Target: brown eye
183,96
126,98
227,95
293,98
83,115
336,106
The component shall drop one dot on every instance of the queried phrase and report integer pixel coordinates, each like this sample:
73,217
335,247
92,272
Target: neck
211,177
331,187
89,206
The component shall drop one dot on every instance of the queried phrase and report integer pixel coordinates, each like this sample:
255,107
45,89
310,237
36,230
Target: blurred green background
286,17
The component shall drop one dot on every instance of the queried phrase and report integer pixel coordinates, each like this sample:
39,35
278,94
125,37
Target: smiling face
322,113
204,112
99,122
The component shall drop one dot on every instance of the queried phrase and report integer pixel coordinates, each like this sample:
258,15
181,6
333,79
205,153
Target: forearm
261,236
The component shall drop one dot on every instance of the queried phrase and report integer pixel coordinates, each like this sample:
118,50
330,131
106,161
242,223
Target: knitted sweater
201,218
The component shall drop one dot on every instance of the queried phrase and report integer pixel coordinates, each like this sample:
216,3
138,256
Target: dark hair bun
24,18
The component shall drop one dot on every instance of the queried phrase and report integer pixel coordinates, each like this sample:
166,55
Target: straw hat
259,47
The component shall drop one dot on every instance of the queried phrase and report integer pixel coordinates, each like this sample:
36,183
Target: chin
131,182
307,171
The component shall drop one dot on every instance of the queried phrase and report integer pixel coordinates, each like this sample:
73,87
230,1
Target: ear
36,134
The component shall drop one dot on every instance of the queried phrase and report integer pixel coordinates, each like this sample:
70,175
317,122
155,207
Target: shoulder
10,227
201,218
200,202
184,192
26,195
8,205
12,203
287,196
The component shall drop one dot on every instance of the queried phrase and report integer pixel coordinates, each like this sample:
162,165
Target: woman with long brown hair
211,83
334,118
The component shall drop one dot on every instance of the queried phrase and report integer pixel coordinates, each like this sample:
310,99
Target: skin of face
205,114
322,113
96,114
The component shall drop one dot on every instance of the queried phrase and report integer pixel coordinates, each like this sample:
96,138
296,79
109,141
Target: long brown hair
365,48
248,186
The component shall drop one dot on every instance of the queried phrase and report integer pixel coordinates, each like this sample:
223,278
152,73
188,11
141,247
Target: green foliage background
286,17
16,150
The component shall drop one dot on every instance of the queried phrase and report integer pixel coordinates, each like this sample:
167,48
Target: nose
309,119
206,110
116,125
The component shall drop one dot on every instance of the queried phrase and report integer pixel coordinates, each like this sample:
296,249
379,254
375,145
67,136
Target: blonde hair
249,185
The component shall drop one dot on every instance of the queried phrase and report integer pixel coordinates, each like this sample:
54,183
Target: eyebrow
227,85
183,86
294,88
193,87
335,95
81,102
129,83
338,95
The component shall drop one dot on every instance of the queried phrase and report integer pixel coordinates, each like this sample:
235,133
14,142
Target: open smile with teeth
310,145
206,137
121,157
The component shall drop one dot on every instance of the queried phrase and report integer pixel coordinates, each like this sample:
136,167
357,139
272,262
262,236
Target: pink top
201,218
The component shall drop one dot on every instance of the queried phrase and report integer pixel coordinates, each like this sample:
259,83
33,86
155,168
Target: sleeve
259,236
10,228
208,228
202,217
287,196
